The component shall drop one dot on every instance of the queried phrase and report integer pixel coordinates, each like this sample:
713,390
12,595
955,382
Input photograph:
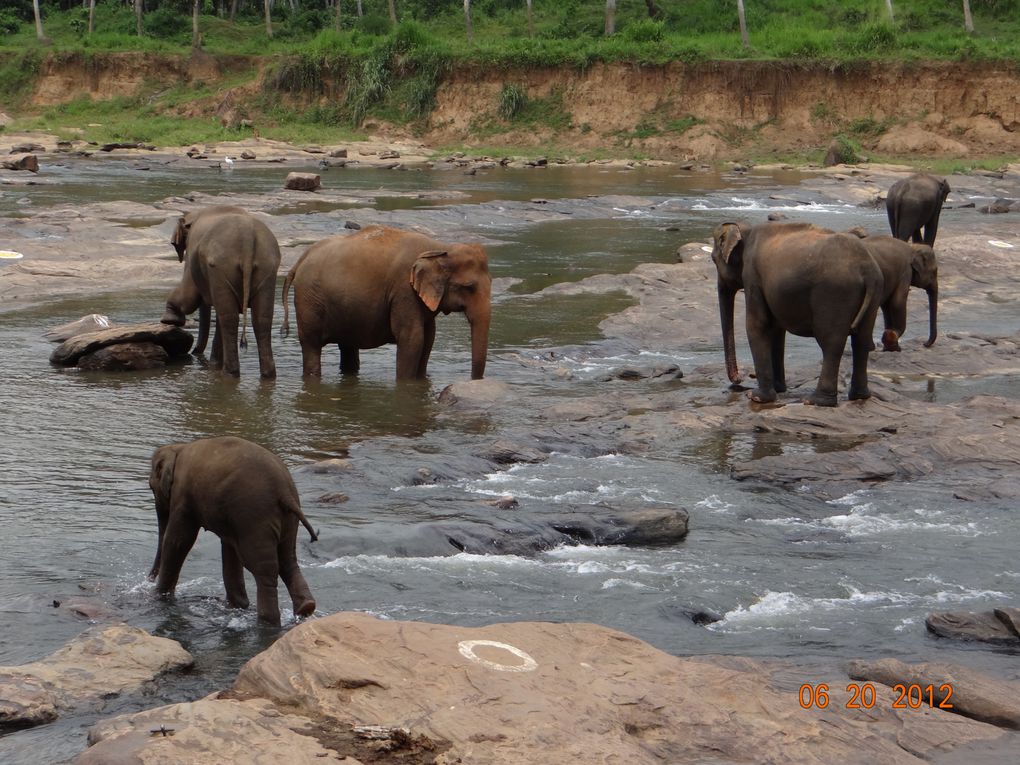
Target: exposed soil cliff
707,111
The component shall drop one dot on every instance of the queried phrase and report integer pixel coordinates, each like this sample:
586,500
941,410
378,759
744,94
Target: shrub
645,30
512,100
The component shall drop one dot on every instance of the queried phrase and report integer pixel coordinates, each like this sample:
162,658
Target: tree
467,21
92,15
531,24
968,20
888,4
38,21
196,37
138,17
743,24
610,17
337,15
360,11
654,11
269,20
393,11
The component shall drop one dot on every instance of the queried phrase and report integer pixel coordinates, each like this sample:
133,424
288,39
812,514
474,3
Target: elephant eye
469,286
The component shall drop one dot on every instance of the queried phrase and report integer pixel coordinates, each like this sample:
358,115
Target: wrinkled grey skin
903,265
245,495
801,279
914,205
231,260
383,285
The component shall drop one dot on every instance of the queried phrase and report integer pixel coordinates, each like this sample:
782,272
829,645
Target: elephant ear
180,238
162,476
728,238
429,277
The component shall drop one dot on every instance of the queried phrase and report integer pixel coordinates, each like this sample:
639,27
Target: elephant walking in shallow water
231,260
801,279
914,205
242,493
383,285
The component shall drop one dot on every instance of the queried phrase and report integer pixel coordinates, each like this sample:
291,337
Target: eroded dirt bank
706,111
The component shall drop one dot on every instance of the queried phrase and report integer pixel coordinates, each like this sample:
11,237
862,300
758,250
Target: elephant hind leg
350,360
233,576
178,540
859,377
832,353
290,572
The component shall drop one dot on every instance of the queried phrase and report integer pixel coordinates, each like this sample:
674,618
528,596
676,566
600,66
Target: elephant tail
872,297
304,522
285,327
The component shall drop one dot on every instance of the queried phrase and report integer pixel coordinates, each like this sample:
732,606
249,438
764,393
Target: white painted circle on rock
467,650
10,255
1000,243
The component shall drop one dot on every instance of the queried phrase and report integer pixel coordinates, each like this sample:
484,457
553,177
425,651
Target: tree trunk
393,11
38,21
233,10
196,38
269,21
888,4
531,23
361,12
338,24
743,24
968,20
655,12
138,17
92,15
610,17
467,22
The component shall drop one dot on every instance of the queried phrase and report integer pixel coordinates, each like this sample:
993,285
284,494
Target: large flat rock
174,340
373,690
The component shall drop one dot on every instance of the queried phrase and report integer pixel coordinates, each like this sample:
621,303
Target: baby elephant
242,493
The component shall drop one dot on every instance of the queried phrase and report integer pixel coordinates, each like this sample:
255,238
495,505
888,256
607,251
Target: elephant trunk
933,310
173,315
479,321
727,297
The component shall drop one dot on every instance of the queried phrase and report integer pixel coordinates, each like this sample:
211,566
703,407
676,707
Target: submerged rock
361,689
1000,625
95,665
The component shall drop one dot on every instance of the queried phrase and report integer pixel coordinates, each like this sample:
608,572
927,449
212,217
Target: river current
794,577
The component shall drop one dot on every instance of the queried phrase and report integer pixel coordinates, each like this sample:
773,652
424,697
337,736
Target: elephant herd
382,285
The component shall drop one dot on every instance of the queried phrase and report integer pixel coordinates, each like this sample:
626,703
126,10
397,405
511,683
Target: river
793,576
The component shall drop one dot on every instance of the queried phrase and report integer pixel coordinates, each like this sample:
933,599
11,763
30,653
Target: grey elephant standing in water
245,495
914,205
231,260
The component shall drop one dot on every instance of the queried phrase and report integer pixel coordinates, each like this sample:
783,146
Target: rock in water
302,182
174,340
91,323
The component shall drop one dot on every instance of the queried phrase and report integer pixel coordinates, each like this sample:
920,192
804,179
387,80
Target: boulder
174,340
354,688
27,148
27,162
971,693
1000,625
99,663
302,182
125,357
475,393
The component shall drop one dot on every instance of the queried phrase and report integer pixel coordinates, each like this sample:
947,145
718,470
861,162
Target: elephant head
728,256
457,279
924,273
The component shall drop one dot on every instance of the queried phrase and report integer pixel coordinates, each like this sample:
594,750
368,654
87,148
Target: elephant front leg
178,540
233,576
759,337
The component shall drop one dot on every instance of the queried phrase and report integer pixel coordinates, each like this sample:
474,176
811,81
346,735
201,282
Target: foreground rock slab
98,663
370,690
173,340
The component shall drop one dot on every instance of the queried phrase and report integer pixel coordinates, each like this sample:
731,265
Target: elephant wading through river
231,260
382,285
801,279
903,266
915,203
242,493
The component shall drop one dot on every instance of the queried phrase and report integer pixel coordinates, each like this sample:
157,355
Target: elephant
231,260
801,279
904,265
245,495
915,203
383,285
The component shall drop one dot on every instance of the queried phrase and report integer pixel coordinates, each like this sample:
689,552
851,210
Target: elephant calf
242,493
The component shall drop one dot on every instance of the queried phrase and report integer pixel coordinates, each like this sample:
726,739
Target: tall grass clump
512,100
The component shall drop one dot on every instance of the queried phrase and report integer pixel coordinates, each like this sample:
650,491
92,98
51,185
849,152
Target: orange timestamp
864,696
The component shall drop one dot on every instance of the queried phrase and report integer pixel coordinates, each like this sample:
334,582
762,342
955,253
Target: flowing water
792,576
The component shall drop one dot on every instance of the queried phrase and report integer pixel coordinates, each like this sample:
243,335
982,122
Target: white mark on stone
467,650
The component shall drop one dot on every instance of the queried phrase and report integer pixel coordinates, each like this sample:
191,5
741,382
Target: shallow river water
794,577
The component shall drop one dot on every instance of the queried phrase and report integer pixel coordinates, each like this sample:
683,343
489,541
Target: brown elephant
801,279
904,265
244,494
231,260
913,205
383,285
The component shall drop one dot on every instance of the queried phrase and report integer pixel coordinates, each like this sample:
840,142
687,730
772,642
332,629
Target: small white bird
229,162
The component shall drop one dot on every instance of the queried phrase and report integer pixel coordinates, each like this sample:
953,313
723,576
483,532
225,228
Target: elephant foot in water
304,607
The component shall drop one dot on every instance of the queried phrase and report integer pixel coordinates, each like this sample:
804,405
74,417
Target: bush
644,31
9,21
512,100
166,23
